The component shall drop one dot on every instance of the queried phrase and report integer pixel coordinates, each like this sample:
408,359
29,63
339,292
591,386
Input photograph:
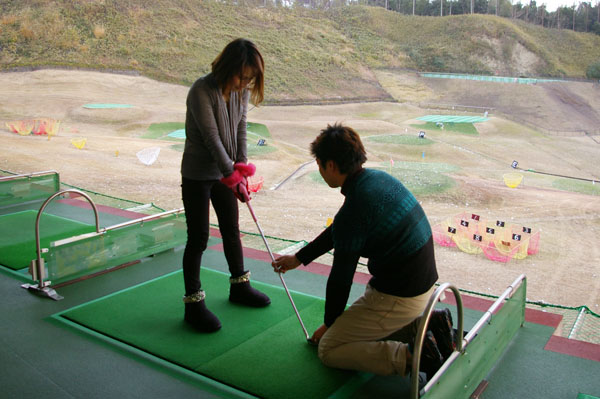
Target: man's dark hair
340,144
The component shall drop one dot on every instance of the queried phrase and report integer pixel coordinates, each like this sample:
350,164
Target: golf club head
311,342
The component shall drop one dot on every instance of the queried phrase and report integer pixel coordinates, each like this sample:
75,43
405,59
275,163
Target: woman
214,170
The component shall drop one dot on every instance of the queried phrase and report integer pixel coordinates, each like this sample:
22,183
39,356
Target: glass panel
28,189
100,252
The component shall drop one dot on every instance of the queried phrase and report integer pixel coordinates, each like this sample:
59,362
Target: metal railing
462,343
38,268
420,337
37,265
14,177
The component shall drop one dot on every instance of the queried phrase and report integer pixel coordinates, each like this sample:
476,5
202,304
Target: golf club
280,274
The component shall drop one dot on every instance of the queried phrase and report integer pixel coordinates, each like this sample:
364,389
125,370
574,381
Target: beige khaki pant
361,337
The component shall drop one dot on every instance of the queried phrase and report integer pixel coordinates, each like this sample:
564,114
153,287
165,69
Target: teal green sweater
382,221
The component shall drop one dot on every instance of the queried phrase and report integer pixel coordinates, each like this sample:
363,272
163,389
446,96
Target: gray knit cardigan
215,131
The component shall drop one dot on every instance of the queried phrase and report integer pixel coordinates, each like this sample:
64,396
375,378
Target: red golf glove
238,180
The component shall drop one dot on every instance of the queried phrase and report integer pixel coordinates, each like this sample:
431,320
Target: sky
552,5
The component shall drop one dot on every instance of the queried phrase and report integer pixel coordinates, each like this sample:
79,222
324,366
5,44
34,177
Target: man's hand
285,263
318,334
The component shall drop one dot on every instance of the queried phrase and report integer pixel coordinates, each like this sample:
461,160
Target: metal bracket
44,291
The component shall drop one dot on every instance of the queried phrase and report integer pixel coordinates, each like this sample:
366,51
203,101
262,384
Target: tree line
583,17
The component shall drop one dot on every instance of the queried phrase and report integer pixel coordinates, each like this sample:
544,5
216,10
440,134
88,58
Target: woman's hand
241,190
285,263
238,183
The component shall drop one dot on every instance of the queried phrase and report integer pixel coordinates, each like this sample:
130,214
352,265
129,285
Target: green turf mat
260,351
17,235
258,128
452,118
178,134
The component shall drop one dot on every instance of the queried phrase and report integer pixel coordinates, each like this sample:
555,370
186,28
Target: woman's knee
196,241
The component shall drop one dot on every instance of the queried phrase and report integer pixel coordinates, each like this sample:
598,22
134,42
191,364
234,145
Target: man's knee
324,353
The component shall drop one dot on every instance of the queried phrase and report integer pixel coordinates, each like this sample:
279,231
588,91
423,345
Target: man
382,221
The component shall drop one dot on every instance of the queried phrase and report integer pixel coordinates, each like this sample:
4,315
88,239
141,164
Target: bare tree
542,13
585,21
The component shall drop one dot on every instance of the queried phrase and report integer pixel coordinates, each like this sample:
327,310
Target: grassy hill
311,55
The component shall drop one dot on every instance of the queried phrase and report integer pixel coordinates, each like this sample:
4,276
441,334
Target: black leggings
197,196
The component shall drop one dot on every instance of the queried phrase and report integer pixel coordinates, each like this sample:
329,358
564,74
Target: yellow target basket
499,241
512,179
78,142
468,242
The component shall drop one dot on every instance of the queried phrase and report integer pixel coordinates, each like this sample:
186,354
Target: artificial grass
464,128
577,186
400,139
261,351
106,106
17,235
161,130
420,179
258,128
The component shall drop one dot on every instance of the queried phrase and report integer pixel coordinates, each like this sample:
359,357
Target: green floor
43,357
149,317
18,246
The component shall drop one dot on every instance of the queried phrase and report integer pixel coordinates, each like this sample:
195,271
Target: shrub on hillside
593,71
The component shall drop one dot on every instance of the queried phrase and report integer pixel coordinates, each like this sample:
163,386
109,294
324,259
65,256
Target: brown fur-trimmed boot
242,292
197,314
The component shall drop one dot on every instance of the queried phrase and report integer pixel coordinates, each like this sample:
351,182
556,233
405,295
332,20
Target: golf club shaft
280,274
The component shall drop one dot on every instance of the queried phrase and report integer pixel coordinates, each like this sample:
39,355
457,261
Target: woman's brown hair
236,56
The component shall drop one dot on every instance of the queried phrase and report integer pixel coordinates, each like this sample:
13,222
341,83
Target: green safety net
464,375
82,255
26,189
484,78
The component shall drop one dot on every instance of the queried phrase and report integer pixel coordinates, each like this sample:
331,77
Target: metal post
37,265
462,344
420,337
